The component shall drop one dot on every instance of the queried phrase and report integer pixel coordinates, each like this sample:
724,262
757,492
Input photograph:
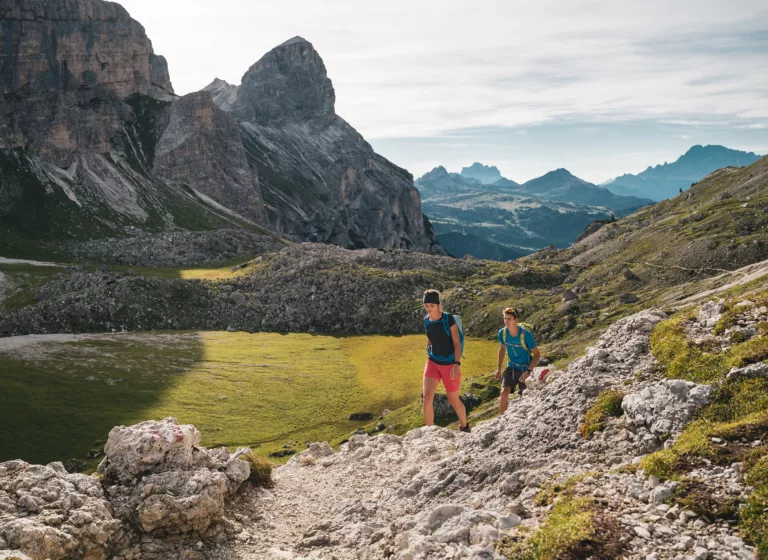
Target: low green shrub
754,521
607,405
261,470
573,529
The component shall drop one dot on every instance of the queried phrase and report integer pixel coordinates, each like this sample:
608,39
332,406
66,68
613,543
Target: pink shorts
436,371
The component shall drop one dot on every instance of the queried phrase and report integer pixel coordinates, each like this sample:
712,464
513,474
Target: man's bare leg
504,399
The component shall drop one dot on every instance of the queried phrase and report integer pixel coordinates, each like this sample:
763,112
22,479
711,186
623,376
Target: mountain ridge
665,180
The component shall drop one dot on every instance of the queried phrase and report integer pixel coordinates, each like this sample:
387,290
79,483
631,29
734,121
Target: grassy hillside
265,390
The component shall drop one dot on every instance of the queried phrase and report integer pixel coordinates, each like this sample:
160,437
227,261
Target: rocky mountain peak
561,172
436,173
288,84
483,173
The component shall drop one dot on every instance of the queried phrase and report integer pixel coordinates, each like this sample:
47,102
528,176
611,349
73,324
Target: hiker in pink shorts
443,359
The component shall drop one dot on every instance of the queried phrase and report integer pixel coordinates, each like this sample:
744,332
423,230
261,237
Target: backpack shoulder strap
445,324
523,330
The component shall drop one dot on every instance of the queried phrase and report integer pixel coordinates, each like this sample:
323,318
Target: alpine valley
221,356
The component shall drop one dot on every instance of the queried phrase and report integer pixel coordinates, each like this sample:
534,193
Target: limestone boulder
45,512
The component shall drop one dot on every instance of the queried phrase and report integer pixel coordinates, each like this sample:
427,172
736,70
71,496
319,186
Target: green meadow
60,398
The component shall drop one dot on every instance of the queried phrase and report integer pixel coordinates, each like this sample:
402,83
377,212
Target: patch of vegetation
261,470
550,492
736,416
607,405
574,529
682,359
258,390
728,318
694,495
754,520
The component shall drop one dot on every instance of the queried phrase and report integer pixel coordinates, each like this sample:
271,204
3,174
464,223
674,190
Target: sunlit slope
721,223
60,399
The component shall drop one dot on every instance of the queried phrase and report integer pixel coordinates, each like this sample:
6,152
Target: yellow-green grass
606,406
60,399
573,529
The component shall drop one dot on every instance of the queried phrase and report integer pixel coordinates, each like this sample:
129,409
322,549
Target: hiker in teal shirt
518,343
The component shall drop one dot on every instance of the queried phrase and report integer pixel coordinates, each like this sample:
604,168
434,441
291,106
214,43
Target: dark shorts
511,379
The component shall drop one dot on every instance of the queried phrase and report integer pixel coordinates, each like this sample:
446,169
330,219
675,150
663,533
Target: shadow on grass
59,400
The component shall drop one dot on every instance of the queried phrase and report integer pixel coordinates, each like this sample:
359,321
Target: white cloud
423,67
451,70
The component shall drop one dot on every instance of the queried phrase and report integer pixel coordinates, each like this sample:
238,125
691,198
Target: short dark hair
432,296
512,311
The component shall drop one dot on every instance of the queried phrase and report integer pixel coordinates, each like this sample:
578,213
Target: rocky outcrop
157,482
162,478
48,513
201,146
662,410
321,181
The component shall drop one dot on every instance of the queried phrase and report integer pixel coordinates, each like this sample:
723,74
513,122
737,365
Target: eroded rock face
48,513
65,64
288,84
321,181
201,146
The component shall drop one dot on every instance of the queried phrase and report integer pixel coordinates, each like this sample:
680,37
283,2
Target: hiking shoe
465,429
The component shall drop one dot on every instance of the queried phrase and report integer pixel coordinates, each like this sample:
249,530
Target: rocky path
439,494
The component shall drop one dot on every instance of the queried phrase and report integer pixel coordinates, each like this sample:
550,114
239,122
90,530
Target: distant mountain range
666,180
504,220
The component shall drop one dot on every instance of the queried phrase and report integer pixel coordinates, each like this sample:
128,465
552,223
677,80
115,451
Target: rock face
201,146
92,141
287,84
321,181
62,56
82,96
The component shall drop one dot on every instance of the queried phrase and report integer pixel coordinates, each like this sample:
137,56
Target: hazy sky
598,87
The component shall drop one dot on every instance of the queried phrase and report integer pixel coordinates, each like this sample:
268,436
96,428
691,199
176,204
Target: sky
601,88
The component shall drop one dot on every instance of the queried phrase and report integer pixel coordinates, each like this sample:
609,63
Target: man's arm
502,351
536,357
